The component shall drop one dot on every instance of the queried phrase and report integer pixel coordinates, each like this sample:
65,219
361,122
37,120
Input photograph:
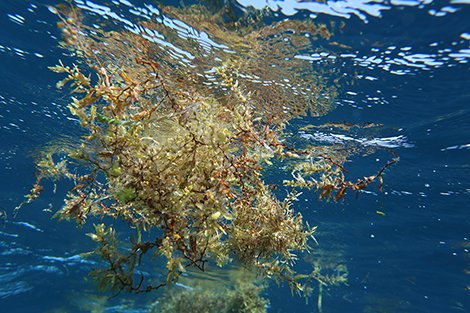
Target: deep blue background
413,259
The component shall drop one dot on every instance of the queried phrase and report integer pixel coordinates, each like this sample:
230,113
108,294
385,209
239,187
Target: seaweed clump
243,298
178,136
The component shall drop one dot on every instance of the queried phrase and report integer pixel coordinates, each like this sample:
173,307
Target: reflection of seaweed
331,178
341,125
182,151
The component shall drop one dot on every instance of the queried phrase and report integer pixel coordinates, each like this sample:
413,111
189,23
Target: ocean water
406,249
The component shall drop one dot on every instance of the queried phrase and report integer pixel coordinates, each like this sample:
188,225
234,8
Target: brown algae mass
181,130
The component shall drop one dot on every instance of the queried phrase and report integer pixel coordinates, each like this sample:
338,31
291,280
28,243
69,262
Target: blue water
412,63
